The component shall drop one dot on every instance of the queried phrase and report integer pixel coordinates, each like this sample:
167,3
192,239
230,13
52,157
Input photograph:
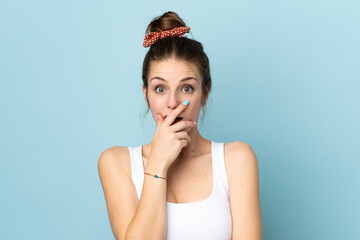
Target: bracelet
155,176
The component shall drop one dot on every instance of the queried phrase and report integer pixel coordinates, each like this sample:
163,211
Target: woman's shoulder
237,146
238,154
115,158
115,151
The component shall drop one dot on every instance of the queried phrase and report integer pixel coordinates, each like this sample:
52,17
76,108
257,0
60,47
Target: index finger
175,113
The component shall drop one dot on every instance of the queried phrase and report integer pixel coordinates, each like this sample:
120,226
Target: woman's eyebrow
185,79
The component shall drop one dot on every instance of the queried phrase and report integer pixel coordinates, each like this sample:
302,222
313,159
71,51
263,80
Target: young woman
180,185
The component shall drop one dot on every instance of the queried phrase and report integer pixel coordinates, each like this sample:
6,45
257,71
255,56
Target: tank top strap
219,166
137,169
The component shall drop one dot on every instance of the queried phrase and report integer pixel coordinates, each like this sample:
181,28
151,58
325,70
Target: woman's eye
188,87
159,87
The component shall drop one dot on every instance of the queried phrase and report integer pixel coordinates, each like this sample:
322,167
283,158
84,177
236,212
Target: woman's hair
180,48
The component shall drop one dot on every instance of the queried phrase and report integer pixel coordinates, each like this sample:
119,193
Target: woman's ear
205,98
145,92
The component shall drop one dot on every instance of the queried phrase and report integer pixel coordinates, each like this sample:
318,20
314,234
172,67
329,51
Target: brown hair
181,48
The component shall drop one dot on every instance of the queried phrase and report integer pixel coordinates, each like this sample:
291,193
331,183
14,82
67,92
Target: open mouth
178,119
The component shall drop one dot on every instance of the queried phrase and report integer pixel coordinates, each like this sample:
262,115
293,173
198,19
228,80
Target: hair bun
167,21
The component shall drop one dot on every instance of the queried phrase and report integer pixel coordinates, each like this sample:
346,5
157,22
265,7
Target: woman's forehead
173,69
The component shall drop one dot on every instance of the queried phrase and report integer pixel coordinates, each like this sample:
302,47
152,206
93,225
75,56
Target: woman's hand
169,138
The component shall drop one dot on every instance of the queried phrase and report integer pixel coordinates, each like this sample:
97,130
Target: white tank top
208,219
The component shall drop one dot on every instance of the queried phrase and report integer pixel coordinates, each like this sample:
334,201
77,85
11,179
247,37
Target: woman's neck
197,147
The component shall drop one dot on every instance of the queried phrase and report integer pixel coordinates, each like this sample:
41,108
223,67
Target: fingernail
157,117
195,123
186,102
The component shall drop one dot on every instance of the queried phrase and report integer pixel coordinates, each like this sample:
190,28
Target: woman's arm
243,175
150,220
129,217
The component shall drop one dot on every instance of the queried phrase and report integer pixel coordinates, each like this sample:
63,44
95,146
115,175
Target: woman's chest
190,182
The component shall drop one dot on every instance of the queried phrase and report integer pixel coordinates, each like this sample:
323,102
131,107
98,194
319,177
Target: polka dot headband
152,37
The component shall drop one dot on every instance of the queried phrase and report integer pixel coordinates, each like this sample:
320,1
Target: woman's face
170,83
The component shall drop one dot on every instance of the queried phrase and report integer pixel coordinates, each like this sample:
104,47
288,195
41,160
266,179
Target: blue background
285,80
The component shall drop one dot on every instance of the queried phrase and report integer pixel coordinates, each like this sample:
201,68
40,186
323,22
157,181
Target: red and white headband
152,37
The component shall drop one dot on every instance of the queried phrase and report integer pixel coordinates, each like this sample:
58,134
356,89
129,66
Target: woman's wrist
158,170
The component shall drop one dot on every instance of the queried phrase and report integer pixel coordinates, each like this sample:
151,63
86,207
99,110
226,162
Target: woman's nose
173,101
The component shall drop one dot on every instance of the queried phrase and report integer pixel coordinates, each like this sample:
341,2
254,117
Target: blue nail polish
186,102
